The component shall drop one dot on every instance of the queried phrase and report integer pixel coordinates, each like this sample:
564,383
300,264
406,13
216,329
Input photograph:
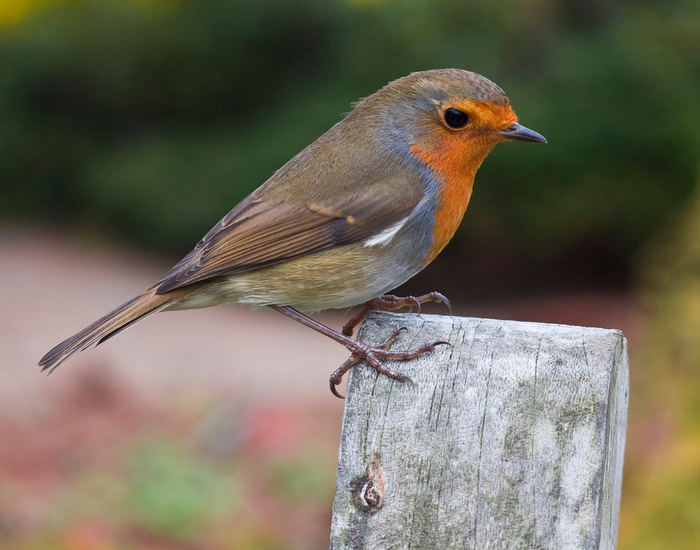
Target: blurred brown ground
229,381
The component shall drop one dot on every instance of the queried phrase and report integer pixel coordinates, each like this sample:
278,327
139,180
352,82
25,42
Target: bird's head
449,118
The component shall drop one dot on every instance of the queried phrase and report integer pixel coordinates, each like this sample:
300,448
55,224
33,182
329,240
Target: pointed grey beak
520,133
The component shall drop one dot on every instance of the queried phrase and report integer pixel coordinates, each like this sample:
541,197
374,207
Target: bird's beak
520,133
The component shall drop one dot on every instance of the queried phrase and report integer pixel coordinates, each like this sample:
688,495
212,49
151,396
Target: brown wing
257,234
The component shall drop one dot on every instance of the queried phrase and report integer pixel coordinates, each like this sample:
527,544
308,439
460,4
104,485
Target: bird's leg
390,302
359,350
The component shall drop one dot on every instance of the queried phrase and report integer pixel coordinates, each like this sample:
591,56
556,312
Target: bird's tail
140,307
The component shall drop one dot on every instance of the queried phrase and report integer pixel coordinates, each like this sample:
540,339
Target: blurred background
129,127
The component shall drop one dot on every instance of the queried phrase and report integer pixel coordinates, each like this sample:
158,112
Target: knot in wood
372,493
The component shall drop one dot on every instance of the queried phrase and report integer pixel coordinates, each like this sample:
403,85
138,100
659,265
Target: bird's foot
390,303
375,354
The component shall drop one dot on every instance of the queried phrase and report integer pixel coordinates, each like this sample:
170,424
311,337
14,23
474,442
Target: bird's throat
455,172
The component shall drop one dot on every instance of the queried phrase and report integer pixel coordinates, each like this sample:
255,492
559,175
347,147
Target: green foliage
671,287
174,494
153,122
667,511
295,479
661,496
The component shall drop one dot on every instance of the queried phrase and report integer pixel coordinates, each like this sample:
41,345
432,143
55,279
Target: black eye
455,118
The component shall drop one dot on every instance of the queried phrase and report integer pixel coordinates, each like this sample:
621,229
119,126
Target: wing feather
257,233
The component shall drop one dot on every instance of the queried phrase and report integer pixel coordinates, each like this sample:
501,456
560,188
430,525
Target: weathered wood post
512,438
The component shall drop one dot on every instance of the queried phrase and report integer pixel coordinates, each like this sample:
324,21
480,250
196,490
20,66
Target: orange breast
455,171
455,156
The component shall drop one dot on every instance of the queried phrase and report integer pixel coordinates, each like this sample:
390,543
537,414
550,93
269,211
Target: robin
361,210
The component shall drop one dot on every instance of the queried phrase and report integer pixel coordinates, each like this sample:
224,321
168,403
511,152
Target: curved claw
444,300
375,355
334,391
438,298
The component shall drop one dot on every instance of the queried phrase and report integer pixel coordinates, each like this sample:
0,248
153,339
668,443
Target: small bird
361,210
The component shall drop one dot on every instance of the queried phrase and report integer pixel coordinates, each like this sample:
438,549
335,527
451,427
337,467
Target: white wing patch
384,238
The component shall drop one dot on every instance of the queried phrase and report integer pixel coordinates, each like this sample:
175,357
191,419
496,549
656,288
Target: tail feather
111,324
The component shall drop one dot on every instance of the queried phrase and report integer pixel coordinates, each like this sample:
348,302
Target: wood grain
511,438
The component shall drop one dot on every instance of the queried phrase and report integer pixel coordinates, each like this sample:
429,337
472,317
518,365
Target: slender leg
359,350
390,302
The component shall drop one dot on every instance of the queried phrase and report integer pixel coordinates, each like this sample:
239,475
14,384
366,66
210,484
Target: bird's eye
456,118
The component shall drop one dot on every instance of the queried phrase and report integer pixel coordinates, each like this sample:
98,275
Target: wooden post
513,438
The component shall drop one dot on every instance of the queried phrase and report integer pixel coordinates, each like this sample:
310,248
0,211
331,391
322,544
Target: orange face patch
455,155
484,115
